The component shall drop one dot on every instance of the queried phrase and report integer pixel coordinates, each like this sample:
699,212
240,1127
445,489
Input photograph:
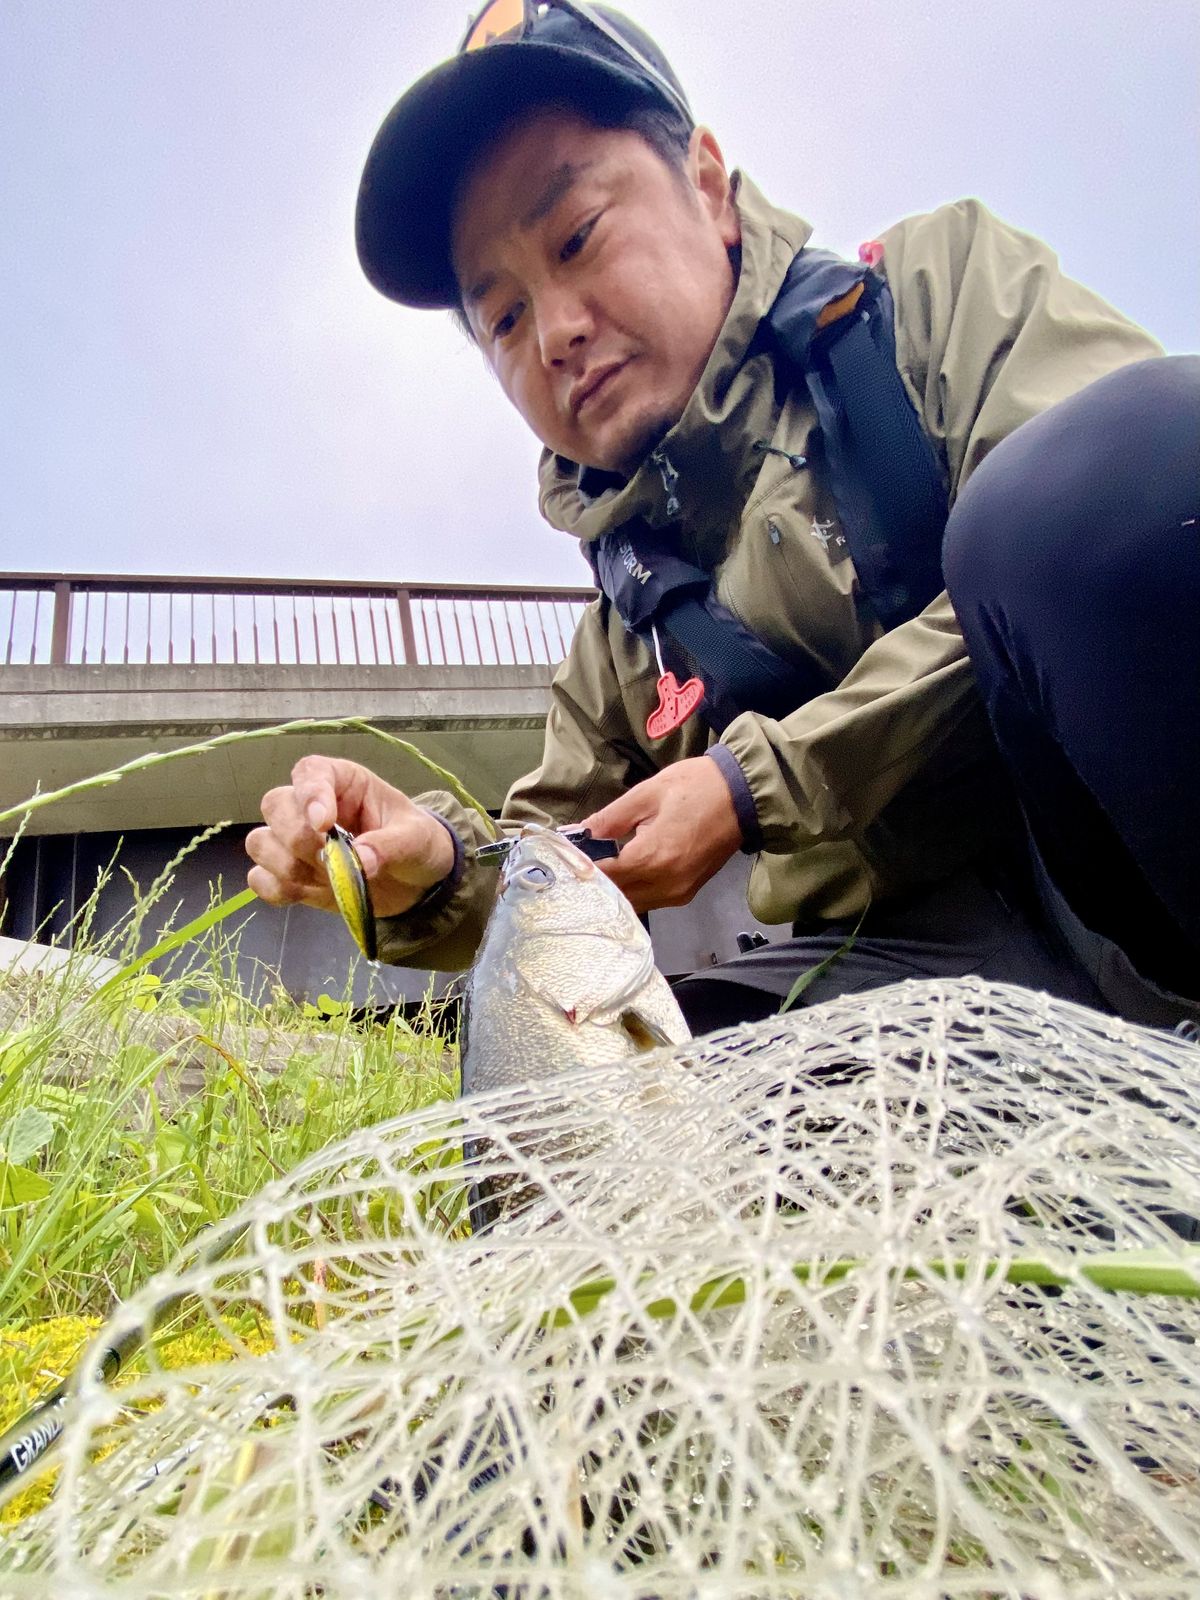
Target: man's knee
1076,491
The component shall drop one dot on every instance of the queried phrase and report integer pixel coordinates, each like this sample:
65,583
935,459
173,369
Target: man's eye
577,240
505,324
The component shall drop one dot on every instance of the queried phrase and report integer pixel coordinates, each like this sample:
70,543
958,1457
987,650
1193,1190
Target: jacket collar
701,474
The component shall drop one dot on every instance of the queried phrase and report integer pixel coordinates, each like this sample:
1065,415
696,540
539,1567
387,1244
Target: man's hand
404,851
684,830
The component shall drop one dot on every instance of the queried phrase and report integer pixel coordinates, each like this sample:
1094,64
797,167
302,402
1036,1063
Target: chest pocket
789,574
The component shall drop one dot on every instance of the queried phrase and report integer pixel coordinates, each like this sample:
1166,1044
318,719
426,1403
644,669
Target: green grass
137,1110
131,1119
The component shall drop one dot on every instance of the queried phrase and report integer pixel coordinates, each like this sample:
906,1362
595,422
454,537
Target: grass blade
806,979
155,758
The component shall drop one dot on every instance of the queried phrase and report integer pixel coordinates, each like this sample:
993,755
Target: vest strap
649,583
887,481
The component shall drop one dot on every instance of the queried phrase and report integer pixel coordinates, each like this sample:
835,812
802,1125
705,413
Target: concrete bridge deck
97,670
61,724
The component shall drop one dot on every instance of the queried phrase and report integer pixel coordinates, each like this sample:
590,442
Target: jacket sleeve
989,332
590,757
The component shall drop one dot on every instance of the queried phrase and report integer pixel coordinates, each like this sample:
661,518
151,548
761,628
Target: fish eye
535,877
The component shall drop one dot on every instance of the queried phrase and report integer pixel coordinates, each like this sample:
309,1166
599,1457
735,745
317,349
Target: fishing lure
349,884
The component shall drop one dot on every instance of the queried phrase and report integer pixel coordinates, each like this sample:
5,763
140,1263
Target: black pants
1073,563
1072,558
961,926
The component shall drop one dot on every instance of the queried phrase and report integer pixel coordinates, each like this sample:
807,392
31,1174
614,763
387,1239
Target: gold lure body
349,884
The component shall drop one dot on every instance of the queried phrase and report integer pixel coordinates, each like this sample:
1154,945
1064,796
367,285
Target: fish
350,892
565,978
565,974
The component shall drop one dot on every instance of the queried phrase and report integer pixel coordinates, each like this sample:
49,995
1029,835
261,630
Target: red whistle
676,703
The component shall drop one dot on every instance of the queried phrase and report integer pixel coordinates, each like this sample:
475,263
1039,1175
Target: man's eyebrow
562,179
560,182
477,291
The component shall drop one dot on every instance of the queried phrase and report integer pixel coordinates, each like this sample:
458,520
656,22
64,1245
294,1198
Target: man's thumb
416,850
367,855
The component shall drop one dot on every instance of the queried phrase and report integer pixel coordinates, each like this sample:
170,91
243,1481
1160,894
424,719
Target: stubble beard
647,437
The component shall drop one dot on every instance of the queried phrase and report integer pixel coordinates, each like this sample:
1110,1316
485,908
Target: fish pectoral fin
641,1032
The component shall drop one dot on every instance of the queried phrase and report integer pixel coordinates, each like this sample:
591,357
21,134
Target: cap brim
431,136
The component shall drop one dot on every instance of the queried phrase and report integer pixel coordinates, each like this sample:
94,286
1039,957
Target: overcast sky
195,377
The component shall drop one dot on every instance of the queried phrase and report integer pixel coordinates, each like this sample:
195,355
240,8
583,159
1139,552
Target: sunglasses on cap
510,21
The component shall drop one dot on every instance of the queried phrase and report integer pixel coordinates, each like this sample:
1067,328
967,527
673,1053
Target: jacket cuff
739,793
435,917
793,801
441,892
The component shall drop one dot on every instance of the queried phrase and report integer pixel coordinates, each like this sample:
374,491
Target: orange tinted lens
501,17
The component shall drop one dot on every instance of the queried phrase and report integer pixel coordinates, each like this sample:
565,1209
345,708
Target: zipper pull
764,448
669,476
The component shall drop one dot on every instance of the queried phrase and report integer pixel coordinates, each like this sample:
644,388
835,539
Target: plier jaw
581,838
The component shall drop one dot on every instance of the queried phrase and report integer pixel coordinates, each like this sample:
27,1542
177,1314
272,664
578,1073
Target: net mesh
889,1297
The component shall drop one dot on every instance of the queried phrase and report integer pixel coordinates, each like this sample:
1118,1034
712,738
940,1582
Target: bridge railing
53,619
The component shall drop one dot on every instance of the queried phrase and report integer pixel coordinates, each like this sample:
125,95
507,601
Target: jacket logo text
633,566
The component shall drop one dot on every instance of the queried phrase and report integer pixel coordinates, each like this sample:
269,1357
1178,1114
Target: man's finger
623,815
626,878
321,785
286,892
638,871
282,878
644,891
267,850
285,819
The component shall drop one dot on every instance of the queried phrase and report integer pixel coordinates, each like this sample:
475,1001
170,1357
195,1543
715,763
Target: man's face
596,280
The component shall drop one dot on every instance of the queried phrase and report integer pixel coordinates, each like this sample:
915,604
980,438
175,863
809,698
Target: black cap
435,130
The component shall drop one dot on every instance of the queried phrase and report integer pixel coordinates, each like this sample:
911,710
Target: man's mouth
592,385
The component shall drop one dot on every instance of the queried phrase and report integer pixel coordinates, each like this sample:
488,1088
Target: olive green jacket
888,779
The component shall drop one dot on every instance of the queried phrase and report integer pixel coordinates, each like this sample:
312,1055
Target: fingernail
368,858
316,816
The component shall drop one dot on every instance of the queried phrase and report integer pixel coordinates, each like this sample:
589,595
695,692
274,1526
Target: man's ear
706,169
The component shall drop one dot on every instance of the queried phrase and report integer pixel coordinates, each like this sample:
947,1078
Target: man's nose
564,327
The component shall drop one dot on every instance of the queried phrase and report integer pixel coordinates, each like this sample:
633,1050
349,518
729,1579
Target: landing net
893,1297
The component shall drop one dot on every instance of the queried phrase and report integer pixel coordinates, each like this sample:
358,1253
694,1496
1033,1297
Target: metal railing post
407,637
60,628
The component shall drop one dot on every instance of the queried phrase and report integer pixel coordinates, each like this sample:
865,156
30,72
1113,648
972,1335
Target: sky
195,377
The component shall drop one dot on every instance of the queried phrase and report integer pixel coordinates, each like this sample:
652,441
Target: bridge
99,670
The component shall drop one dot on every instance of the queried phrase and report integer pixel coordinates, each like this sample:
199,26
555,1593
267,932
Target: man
549,187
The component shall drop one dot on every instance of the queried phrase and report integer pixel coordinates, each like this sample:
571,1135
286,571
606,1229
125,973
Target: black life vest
885,478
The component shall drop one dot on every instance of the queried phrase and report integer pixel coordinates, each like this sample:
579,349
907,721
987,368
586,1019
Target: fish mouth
538,847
